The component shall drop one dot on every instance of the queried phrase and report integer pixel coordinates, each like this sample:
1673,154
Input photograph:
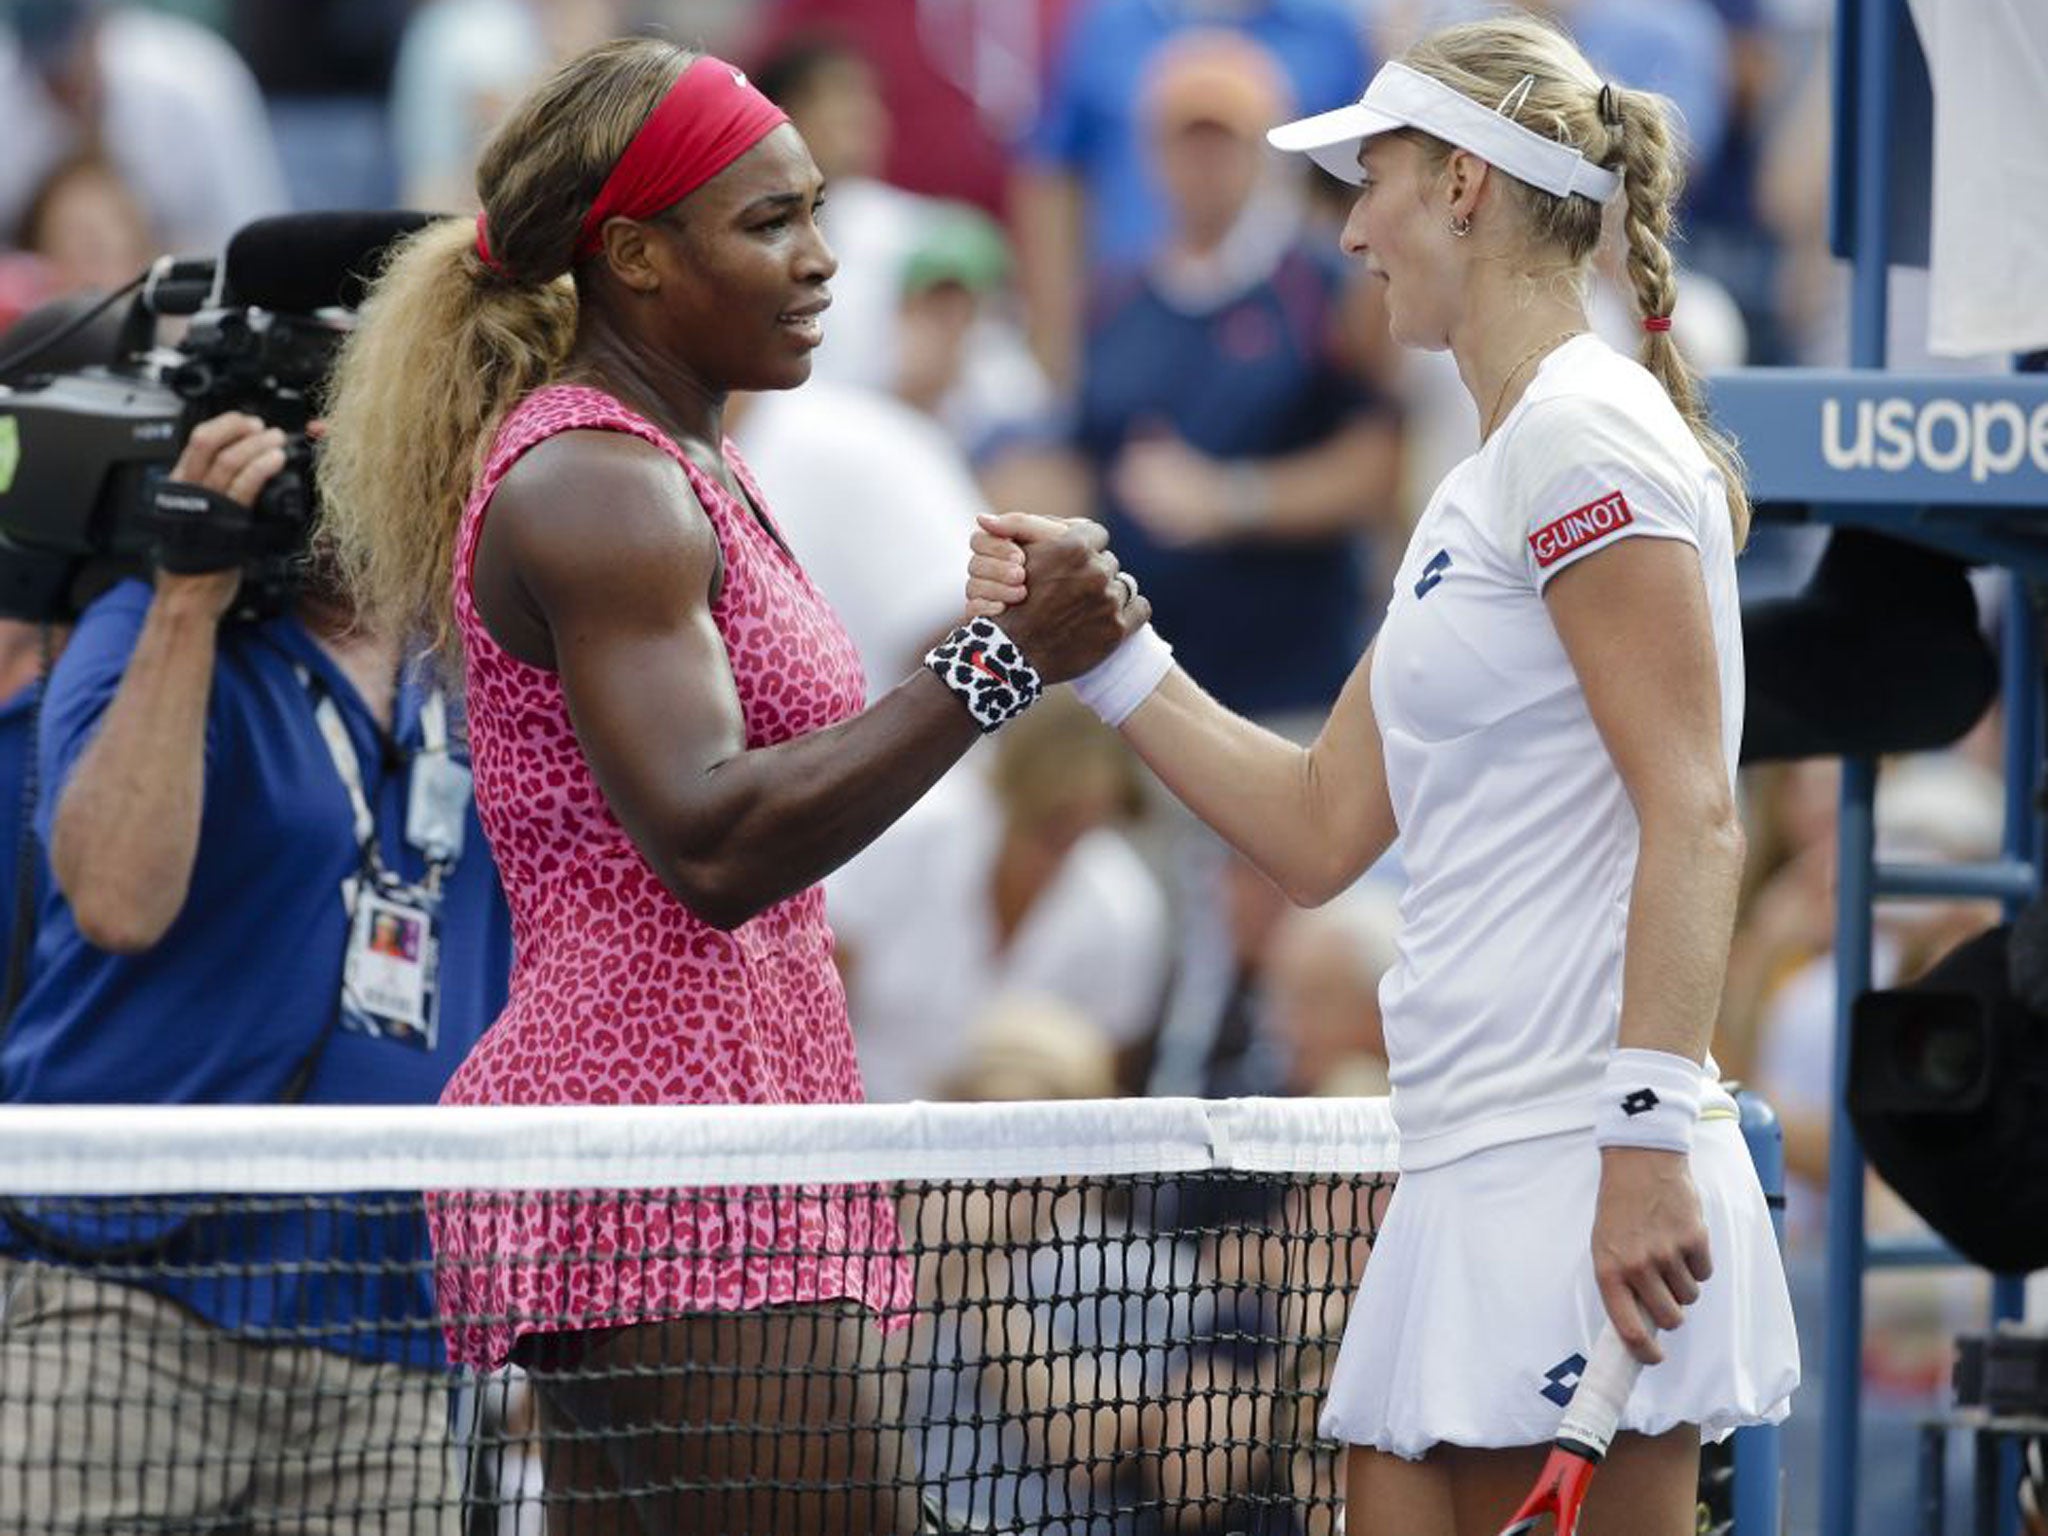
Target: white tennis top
1516,831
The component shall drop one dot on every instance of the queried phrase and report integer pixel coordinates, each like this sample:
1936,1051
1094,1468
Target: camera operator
270,887
23,647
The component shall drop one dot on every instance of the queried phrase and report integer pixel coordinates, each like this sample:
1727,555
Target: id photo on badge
395,935
387,978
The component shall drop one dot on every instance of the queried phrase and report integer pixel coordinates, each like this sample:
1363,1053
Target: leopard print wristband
983,665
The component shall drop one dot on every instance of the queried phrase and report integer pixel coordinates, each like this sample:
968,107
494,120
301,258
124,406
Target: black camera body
86,443
82,452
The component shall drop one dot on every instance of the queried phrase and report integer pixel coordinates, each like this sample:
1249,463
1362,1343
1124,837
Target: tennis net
1096,1319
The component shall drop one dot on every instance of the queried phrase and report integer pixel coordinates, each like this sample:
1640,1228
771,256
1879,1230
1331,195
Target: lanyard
342,748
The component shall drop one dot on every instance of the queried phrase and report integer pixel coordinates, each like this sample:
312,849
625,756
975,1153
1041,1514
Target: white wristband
1648,1099
1125,679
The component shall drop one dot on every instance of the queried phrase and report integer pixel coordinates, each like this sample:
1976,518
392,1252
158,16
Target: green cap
957,244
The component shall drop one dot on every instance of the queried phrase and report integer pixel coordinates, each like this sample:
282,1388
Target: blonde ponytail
447,345
1561,96
1650,178
442,354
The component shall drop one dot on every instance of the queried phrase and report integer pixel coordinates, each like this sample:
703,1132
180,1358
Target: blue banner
1863,436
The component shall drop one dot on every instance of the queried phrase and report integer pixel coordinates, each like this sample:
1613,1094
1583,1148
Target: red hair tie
1656,322
483,248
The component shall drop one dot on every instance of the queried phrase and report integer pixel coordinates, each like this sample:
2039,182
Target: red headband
709,118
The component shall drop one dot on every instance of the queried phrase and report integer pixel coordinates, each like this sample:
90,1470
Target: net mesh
1073,1318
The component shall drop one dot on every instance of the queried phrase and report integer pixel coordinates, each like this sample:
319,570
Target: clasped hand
1061,595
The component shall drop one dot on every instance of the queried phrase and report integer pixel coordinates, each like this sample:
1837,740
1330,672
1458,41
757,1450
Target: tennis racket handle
1595,1410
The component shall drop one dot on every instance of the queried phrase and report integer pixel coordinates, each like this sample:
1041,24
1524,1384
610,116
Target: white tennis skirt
1479,1306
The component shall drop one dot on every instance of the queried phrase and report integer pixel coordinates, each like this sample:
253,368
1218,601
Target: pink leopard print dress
620,995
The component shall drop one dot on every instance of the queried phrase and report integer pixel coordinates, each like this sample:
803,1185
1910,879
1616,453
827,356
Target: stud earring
1461,225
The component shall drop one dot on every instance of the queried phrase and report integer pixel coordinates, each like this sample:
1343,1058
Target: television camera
86,449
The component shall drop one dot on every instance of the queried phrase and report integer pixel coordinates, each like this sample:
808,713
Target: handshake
1048,603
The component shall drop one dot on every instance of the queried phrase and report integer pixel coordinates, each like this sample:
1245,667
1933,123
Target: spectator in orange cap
1086,197
1237,454
1234,451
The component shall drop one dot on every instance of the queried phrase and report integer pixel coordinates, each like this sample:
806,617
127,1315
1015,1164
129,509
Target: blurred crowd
1072,280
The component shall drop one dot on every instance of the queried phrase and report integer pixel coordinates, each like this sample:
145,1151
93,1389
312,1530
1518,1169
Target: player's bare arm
1633,619
1312,819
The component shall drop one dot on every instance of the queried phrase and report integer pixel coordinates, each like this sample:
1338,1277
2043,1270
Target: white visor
1400,97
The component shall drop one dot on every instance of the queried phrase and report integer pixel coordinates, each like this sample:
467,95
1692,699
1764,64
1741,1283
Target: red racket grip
1560,1490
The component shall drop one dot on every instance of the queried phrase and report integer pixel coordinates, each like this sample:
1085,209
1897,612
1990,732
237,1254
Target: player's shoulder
1592,425
603,516
1592,405
1587,377
587,467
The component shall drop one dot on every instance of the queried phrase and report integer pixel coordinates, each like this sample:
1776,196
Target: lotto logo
1641,1102
1433,574
1561,1381
1579,527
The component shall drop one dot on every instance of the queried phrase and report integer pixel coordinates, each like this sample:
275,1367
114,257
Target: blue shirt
1722,191
1267,625
1089,124
231,1000
15,717
1677,48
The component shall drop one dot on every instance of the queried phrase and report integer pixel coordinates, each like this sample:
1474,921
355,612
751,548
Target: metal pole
1869,315
2021,685
2022,689
1933,1481
1759,1449
1870,276
1844,1338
